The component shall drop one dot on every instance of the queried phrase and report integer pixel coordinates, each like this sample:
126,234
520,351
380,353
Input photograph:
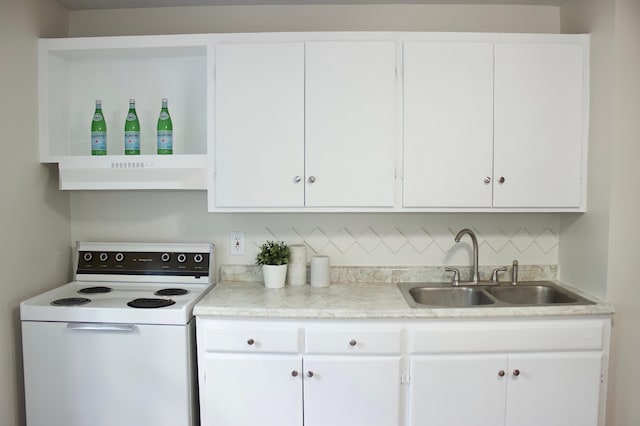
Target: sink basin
531,293
454,297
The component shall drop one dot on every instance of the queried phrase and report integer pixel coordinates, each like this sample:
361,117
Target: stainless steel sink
531,293
540,294
455,297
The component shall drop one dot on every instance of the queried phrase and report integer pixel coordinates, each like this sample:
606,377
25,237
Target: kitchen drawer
230,336
512,336
367,340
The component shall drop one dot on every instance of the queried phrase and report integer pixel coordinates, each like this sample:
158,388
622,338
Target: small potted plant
274,257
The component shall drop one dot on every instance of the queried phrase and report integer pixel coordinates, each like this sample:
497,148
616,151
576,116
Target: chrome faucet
474,241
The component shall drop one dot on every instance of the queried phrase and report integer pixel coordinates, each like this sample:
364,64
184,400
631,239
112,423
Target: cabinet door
460,390
351,390
561,389
448,124
250,390
350,124
259,125
538,125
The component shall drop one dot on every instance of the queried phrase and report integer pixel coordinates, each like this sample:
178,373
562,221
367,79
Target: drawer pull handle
353,342
501,373
294,373
251,342
516,372
310,374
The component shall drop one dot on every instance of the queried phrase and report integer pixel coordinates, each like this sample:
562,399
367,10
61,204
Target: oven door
94,374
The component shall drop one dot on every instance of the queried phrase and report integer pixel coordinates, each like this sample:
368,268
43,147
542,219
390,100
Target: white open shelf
73,73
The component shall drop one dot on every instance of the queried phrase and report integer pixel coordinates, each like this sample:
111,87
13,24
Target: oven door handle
89,326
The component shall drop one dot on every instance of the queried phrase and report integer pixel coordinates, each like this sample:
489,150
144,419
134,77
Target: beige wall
206,19
623,287
583,252
34,215
602,244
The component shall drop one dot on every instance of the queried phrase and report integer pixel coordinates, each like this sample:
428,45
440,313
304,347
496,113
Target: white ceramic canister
297,270
320,274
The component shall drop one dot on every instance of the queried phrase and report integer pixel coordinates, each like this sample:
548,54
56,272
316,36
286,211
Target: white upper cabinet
448,129
328,121
305,124
259,145
496,125
350,123
539,125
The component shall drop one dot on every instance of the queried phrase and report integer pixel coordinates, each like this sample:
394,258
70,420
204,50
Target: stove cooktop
128,283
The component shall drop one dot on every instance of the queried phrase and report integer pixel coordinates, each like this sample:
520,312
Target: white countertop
358,301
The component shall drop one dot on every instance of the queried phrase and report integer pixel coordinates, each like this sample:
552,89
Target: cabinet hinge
405,379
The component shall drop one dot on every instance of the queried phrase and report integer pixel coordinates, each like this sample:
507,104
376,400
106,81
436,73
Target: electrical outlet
237,247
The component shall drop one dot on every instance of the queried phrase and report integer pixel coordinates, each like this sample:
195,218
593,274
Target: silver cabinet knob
501,180
501,373
516,373
353,342
297,179
311,179
310,374
487,180
294,373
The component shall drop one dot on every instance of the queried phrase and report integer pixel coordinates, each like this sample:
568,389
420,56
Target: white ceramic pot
274,275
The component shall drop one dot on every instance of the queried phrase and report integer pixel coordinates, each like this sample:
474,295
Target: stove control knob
87,256
182,258
197,258
104,257
119,257
165,257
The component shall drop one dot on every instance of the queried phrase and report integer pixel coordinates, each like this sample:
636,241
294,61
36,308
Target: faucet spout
474,241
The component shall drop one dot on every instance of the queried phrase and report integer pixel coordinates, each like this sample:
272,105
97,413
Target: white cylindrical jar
320,273
297,271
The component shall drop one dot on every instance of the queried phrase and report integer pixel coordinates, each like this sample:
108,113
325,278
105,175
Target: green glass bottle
165,130
132,131
98,131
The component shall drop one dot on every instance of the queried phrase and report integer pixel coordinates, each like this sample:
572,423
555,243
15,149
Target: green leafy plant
273,253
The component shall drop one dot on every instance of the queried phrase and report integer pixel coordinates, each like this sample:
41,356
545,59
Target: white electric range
116,346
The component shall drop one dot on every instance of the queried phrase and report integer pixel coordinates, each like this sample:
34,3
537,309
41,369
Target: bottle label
164,115
98,143
131,117
131,142
97,116
165,142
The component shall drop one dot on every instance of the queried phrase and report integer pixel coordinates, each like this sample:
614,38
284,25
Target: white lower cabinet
260,373
551,389
249,389
351,390
428,372
508,373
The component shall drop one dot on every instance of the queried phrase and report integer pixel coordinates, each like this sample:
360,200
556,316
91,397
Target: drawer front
537,336
368,340
223,336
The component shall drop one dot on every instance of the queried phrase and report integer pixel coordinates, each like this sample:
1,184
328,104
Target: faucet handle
514,272
456,275
496,271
